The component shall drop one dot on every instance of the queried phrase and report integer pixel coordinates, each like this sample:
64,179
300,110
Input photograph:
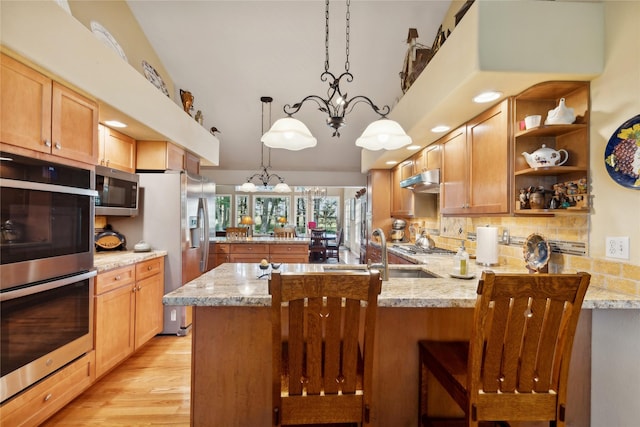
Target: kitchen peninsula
255,249
231,354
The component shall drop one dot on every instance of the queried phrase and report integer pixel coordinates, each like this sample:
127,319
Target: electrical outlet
617,247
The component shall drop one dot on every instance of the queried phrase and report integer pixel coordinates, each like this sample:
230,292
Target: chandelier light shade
264,177
292,134
383,134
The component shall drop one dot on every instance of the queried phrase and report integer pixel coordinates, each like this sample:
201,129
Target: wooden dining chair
287,232
323,355
333,246
516,364
318,246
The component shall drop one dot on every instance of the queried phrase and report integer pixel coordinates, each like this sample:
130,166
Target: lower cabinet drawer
113,279
42,400
289,249
249,248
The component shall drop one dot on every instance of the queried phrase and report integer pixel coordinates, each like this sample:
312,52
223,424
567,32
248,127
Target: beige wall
615,209
117,18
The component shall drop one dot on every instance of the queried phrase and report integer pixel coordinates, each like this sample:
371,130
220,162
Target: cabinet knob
48,397
47,143
117,277
149,268
107,162
57,146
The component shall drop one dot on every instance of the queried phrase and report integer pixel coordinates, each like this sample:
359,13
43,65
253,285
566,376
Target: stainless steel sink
397,273
418,274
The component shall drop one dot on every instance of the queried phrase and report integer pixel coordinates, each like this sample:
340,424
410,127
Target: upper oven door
46,220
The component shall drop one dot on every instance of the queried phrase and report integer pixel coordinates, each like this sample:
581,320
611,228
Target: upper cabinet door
489,160
74,125
25,106
453,197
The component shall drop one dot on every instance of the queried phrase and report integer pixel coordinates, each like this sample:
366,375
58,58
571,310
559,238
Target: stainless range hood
424,182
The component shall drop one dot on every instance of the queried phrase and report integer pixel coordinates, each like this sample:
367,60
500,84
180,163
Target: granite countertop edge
110,260
237,285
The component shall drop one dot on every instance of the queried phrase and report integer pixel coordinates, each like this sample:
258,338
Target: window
242,208
301,215
269,212
325,212
223,212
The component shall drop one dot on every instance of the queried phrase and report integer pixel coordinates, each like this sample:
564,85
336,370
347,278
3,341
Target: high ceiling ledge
44,35
499,46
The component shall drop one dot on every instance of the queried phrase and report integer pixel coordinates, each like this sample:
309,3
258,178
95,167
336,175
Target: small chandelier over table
264,177
292,134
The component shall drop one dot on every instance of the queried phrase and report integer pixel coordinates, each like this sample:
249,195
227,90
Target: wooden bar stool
321,370
516,364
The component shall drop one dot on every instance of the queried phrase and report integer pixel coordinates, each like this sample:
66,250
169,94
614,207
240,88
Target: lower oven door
45,326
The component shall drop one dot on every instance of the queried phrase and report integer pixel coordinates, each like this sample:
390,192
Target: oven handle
41,287
28,185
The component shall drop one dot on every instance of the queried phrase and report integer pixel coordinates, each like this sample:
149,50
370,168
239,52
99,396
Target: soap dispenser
461,261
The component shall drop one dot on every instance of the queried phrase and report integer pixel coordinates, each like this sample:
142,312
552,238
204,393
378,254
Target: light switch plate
617,247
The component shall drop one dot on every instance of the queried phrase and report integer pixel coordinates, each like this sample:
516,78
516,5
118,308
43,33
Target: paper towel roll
487,247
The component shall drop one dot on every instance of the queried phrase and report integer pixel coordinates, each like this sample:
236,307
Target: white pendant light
290,134
248,187
282,187
383,134
264,177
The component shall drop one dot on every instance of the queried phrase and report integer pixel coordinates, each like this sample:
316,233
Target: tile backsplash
567,234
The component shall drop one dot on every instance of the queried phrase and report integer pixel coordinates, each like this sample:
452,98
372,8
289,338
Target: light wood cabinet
39,402
128,311
116,149
293,253
574,138
41,115
248,252
378,207
476,165
159,155
402,200
221,253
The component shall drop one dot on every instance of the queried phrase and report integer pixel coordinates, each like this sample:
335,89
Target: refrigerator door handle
203,220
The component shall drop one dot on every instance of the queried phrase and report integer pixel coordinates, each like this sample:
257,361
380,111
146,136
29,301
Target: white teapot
561,115
545,156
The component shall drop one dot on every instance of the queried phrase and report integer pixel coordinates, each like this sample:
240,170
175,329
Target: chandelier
315,192
264,177
292,134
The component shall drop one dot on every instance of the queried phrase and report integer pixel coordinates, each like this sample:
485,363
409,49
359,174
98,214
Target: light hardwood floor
151,388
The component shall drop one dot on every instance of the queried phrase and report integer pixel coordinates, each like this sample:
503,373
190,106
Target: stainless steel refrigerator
175,217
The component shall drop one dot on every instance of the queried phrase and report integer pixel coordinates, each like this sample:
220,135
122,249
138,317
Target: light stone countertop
108,260
238,285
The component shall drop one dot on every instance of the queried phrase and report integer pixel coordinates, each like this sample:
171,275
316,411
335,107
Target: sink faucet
385,259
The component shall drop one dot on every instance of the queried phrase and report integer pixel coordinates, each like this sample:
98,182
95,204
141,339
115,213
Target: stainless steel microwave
118,192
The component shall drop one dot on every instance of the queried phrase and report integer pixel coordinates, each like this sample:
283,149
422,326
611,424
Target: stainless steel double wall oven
46,266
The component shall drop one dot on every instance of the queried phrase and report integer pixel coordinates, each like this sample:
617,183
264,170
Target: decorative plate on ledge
153,76
622,154
105,37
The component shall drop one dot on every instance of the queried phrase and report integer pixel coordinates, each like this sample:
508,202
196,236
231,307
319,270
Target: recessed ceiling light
115,124
413,147
487,97
440,129
391,162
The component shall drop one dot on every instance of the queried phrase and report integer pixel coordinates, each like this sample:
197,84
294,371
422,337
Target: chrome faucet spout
384,265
